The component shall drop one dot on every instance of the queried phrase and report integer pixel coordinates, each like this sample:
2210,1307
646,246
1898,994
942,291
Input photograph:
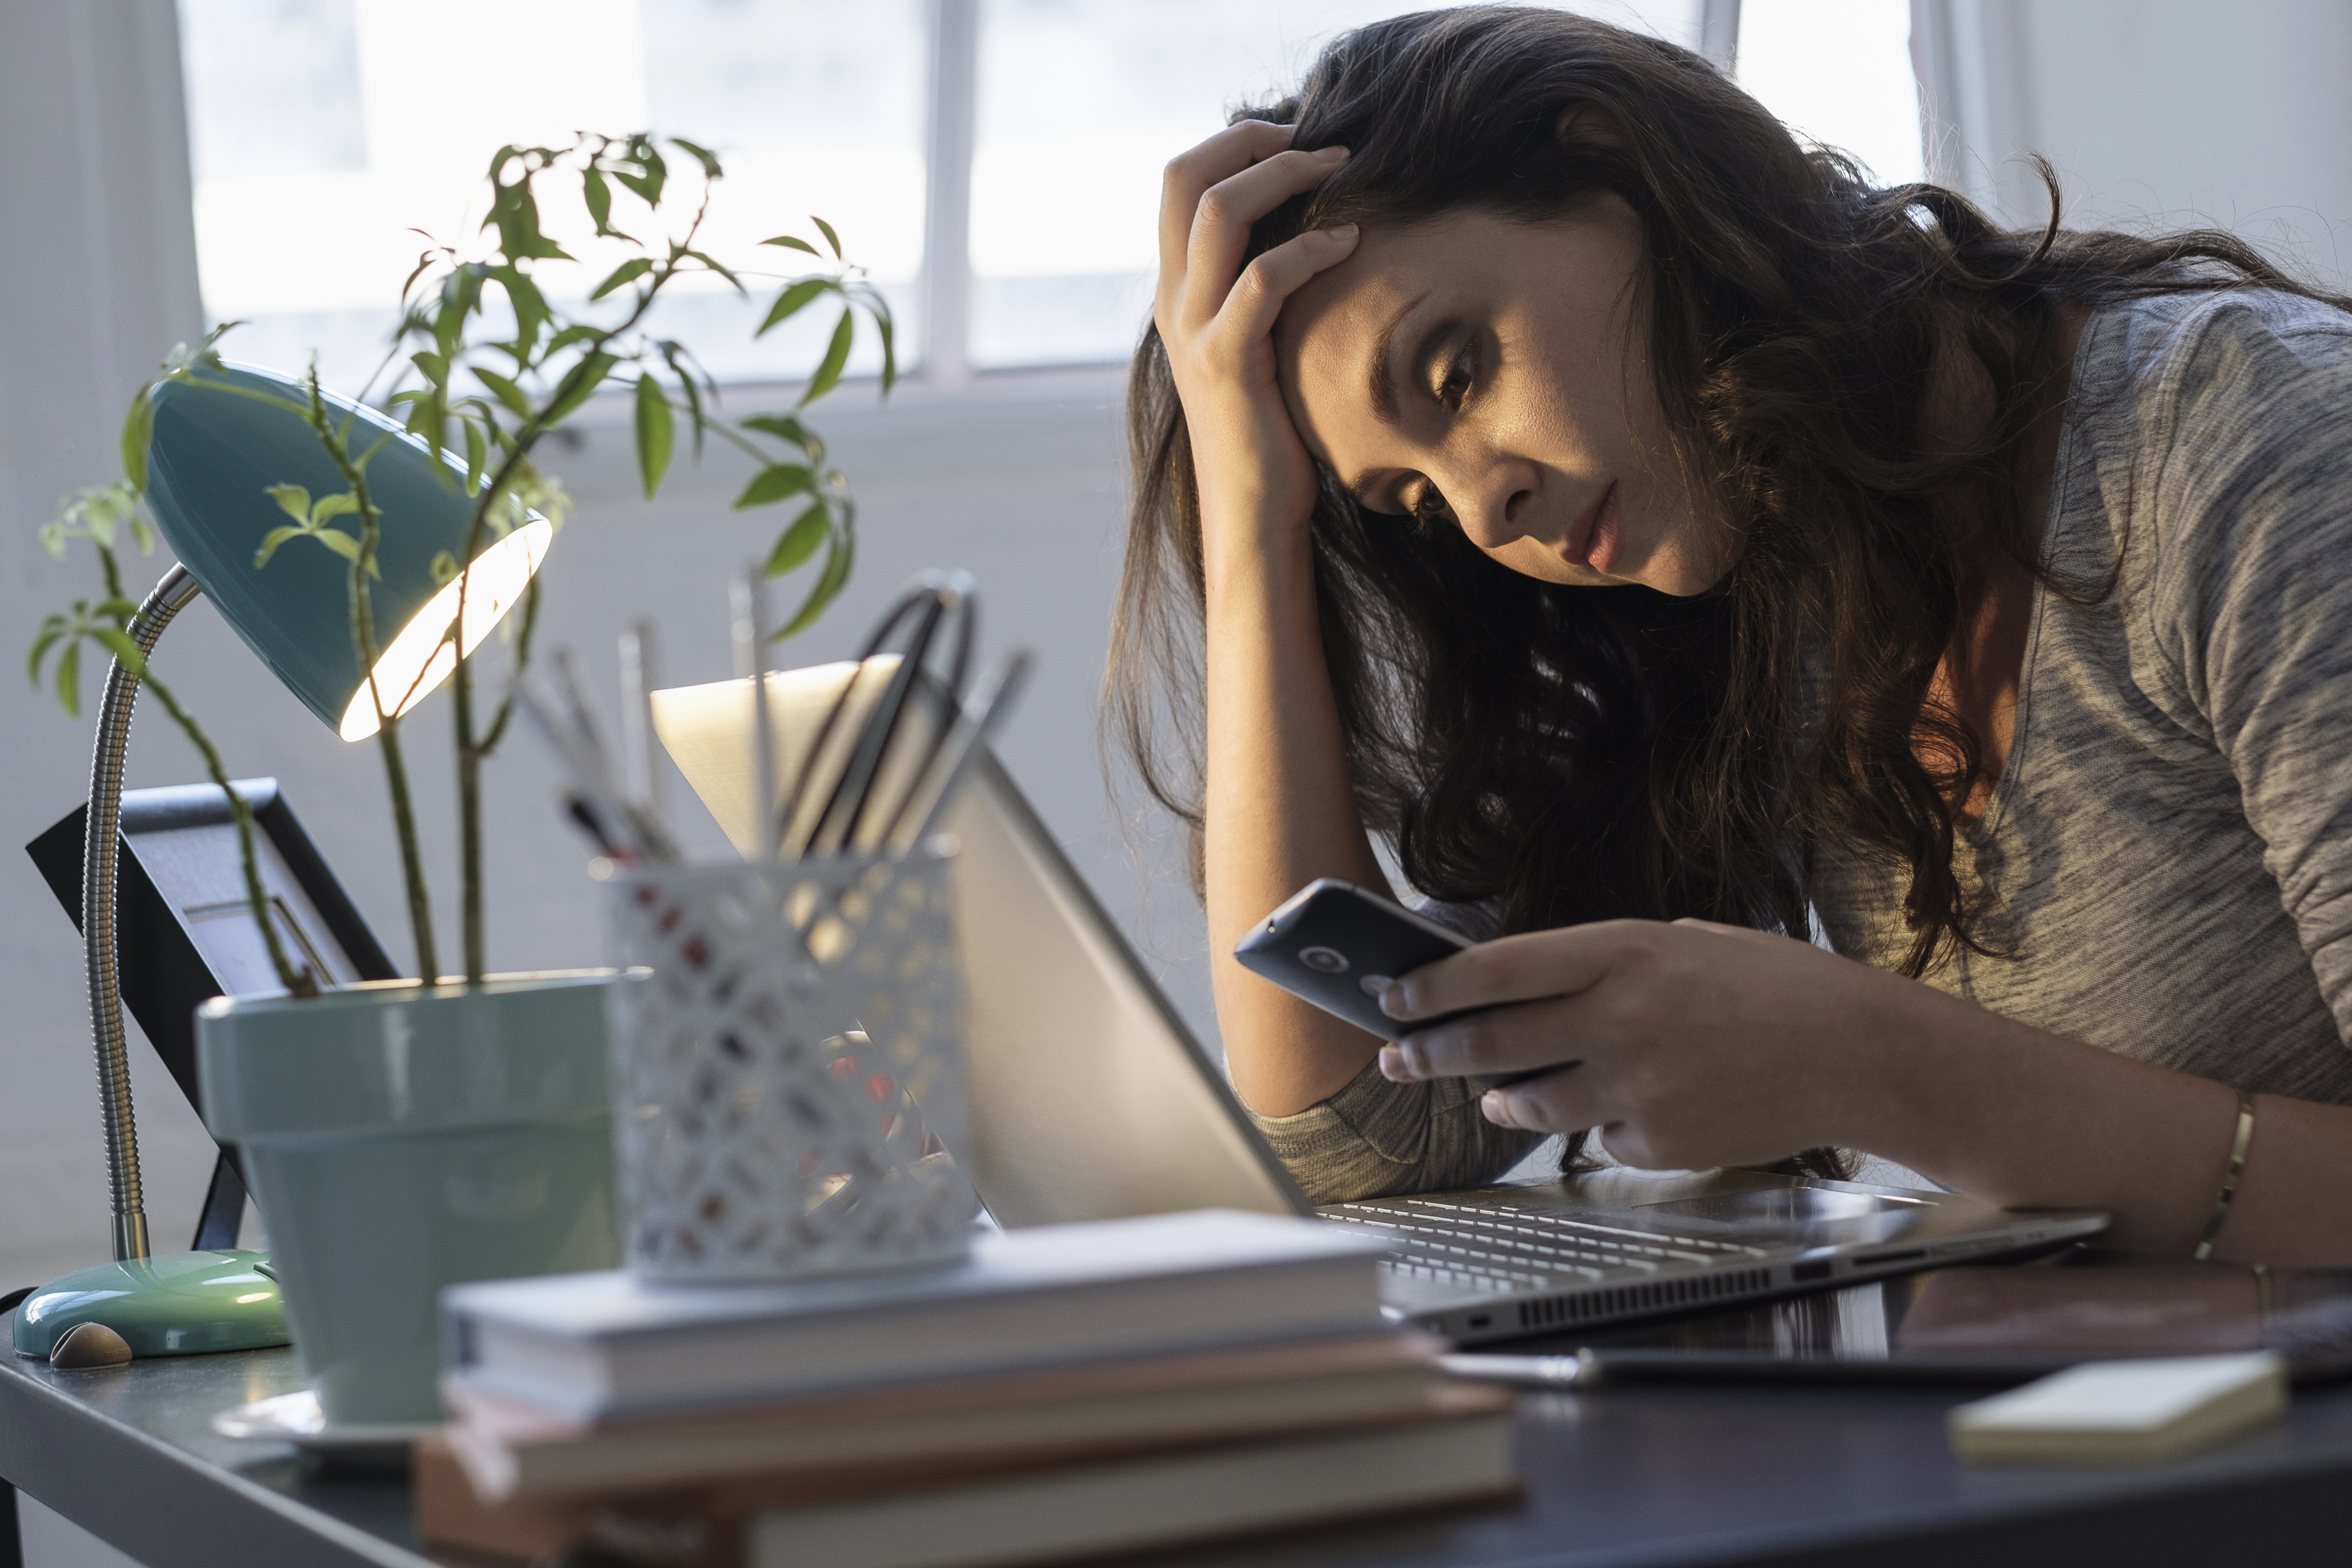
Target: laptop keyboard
1498,1247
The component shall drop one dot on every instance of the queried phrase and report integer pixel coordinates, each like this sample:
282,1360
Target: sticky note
2123,1411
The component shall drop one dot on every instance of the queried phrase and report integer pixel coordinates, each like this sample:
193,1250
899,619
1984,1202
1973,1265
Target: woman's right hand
1216,320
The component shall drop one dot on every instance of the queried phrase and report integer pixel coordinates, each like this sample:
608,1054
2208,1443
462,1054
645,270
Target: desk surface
1651,1476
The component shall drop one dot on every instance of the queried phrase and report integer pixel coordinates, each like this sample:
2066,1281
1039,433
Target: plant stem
470,816
472,751
395,767
297,983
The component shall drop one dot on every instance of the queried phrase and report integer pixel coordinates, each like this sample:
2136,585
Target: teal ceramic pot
399,1138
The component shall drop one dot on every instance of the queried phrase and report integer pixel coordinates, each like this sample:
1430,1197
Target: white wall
100,263
2157,113
1019,481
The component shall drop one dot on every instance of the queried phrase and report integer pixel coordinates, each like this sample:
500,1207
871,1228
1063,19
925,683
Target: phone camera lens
1324,959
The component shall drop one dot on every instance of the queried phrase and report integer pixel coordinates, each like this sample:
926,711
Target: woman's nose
1498,507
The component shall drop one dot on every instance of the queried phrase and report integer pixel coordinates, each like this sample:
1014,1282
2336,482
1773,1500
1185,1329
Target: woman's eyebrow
1383,385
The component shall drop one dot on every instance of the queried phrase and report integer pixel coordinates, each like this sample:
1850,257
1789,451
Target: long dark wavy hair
1572,753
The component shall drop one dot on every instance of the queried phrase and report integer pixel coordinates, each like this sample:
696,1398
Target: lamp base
181,1303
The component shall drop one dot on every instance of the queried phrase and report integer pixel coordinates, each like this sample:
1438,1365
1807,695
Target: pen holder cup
787,1068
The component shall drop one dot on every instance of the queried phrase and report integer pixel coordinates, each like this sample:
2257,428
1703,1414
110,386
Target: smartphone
1336,945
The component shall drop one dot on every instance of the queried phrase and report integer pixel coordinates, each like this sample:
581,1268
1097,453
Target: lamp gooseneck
101,844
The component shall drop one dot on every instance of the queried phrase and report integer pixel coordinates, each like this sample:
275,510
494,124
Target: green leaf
269,543
531,308
773,483
505,391
51,630
326,507
836,354
137,429
293,500
794,242
798,543
118,643
423,264
712,263
782,426
118,611
829,583
793,299
636,267
578,332
882,324
675,353
53,540
648,184
478,456
598,195
656,432
444,568
831,239
436,367
591,374
69,679
449,326
709,161
344,545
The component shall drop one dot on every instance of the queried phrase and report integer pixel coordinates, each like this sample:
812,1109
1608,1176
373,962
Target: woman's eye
1459,375
1428,506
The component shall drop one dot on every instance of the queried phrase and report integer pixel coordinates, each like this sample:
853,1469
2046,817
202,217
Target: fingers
1518,969
1557,1102
1248,312
1221,225
1190,174
1496,1043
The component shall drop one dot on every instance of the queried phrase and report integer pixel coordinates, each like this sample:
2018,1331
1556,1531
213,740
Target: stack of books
1071,1390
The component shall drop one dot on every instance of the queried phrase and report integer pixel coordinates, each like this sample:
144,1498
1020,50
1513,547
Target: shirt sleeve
2253,600
1375,1138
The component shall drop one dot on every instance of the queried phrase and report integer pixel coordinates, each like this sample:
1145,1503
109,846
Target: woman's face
1495,374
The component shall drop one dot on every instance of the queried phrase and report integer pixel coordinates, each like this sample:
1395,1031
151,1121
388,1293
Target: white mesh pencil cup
761,1135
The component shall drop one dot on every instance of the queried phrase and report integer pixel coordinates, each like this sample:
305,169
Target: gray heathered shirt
2169,852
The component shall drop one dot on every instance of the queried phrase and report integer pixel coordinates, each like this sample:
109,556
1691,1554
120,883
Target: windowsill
1091,384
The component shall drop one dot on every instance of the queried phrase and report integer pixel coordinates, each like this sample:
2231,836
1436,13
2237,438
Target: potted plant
406,1135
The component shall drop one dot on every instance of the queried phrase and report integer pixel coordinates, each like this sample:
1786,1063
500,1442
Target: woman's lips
1593,538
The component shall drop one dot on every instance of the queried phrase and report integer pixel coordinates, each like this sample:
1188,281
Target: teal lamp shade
210,465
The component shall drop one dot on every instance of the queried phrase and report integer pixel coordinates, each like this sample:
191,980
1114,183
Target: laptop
1090,1099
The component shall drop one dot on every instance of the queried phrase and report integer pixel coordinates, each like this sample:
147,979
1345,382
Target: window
323,132
1081,102
1838,71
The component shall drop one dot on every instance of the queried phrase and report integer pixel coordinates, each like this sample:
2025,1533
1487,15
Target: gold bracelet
2238,1146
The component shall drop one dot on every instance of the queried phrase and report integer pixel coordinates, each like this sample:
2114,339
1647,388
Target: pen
935,791
1578,1371
750,620
640,773
847,803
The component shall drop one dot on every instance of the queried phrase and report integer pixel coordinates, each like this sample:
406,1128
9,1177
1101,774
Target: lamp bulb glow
421,657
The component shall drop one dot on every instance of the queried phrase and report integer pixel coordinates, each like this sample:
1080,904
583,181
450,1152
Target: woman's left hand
1692,1044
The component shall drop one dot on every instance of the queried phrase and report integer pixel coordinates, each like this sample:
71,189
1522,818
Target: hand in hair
1216,318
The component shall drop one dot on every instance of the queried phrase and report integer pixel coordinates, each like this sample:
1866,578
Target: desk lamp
212,457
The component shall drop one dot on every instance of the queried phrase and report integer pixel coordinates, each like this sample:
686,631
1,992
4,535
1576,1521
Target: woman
1651,533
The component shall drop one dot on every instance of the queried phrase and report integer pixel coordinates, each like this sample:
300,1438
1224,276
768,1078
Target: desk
1656,1476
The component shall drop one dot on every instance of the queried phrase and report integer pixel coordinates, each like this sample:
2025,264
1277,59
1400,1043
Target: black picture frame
183,933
